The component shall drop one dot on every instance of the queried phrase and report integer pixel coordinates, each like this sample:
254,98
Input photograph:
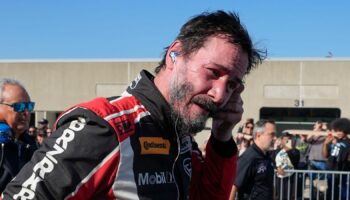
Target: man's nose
219,92
26,112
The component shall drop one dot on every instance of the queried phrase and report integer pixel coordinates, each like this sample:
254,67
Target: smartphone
289,143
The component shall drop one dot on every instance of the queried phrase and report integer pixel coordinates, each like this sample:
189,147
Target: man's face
339,134
32,131
19,122
248,128
284,141
48,132
40,136
203,83
317,126
267,137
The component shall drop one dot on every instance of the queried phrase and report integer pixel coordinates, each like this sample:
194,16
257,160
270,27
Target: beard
181,114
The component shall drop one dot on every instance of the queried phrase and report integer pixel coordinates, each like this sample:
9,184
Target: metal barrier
312,185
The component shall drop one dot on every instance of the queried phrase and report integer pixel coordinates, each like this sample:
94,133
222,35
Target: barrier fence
312,185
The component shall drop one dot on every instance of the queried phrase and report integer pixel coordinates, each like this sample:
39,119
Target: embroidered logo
134,83
123,126
261,168
186,144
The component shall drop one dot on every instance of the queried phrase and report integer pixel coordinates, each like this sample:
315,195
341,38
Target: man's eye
233,85
214,73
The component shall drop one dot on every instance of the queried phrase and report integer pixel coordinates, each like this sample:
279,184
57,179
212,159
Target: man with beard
17,146
139,145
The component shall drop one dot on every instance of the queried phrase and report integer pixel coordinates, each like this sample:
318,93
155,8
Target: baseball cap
43,121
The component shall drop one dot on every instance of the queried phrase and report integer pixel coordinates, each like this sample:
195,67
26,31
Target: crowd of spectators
41,132
327,147
258,145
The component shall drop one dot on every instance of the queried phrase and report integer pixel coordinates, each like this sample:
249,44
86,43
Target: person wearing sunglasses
15,108
140,145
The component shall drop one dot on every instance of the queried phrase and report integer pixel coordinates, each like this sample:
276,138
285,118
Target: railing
312,185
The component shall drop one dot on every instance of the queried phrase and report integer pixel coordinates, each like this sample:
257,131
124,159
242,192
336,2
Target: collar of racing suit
144,89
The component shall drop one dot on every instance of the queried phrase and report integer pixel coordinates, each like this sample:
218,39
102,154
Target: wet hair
198,29
260,126
341,124
9,81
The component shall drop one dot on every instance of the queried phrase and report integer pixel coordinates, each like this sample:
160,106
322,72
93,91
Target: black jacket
124,148
14,155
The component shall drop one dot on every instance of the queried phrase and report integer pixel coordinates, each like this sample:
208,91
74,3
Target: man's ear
172,54
258,134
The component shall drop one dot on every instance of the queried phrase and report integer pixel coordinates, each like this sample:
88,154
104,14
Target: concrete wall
56,85
282,83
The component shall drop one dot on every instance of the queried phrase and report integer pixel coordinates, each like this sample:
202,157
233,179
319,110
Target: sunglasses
21,106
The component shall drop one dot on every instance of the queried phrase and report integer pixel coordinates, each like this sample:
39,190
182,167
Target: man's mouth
206,104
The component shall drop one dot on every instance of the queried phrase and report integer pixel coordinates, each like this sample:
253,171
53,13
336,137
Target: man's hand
328,139
227,117
280,171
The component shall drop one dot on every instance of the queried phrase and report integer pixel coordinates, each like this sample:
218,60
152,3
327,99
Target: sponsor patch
155,178
154,145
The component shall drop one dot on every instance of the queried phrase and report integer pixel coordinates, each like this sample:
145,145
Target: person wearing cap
15,108
43,123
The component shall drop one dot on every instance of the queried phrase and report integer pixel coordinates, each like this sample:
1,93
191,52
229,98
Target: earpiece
173,55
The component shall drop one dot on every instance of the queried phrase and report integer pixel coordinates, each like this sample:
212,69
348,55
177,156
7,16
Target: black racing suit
124,148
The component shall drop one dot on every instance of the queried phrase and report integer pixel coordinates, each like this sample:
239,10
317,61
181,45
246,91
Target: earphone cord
177,156
173,57
2,154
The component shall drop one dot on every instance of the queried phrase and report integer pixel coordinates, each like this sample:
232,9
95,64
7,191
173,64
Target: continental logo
154,145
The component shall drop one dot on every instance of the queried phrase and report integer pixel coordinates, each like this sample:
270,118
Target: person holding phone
139,145
336,148
286,159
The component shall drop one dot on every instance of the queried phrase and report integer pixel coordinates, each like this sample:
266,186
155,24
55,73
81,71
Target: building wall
285,83
56,85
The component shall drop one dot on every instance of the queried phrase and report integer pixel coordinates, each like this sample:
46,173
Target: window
298,118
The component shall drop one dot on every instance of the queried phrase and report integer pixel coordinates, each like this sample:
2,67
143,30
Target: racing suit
125,148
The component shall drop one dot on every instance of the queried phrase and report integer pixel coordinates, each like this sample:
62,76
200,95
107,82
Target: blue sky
118,29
